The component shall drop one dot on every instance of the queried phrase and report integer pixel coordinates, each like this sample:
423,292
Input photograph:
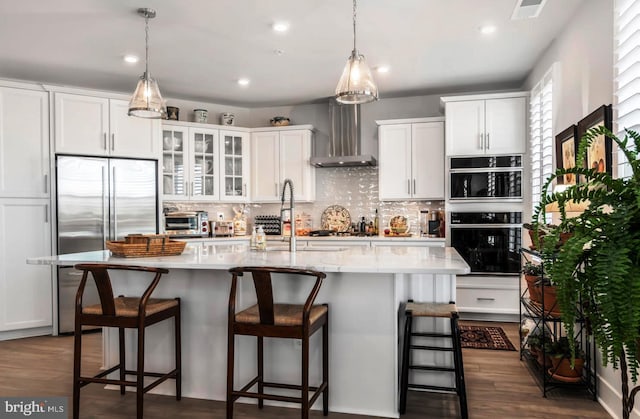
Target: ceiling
200,48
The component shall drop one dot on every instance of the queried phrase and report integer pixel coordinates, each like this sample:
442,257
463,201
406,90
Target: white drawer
487,300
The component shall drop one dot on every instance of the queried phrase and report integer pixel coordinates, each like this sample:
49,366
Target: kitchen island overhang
364,289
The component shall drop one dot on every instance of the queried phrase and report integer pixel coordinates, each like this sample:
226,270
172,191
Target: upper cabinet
24,143
411,159
485,124
100,126
279,154
204,164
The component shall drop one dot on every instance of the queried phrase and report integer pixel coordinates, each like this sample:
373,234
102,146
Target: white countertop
222,256
377,239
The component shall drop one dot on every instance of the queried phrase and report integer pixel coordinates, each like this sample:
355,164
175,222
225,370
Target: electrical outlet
297,344
221,216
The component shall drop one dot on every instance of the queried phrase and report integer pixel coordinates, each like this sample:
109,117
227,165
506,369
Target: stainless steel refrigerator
99,199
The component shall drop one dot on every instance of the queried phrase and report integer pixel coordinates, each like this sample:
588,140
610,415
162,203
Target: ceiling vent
527,9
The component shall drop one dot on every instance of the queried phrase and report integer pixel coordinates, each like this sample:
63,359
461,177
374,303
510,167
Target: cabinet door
505,126
24,141
465,128
81,124
204,161
427,160
265,164
132,136
234,166
174,162
295,154
394,172
25,290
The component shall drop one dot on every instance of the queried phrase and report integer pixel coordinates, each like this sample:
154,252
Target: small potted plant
533,274
560,353
539,341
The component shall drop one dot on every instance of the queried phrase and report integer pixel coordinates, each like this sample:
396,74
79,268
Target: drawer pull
485,299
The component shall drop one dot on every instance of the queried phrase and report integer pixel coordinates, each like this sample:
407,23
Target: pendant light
356,84
147,101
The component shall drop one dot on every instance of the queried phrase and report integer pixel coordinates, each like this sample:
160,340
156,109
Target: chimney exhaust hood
344,139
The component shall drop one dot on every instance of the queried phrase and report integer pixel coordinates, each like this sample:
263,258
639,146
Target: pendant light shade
147,101
356,84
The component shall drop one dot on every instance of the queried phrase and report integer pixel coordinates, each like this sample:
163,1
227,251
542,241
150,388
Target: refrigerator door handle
115,211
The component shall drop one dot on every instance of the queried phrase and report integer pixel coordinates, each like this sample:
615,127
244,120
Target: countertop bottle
254,238
261,239
376,223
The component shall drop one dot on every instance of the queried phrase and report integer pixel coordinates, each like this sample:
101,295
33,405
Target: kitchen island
364,289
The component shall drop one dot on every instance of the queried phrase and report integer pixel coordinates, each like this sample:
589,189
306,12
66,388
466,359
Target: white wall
583,81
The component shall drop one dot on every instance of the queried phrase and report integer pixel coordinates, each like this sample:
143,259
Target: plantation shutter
540,120
626,73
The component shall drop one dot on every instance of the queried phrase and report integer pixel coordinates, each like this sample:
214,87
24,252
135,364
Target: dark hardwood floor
498,386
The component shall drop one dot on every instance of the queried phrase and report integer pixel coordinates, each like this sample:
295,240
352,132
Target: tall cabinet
278,154
25,229
411,159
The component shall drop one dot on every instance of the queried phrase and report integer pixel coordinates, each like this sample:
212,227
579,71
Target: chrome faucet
292,239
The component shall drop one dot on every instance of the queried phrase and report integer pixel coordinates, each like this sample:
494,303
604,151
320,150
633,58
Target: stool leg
457,356
178,351
406,353
230,361
140,374
260,370
305,377
123,362
77,361
325,366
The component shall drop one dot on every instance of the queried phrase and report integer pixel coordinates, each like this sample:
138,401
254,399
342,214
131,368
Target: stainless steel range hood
344,139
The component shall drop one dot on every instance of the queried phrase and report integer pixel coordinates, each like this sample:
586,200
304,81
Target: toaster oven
187,224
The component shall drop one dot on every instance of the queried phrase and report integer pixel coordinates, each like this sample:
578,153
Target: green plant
530,268
562,348
538,339
598,267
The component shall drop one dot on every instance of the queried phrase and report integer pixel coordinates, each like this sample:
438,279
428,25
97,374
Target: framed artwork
566,150
599,155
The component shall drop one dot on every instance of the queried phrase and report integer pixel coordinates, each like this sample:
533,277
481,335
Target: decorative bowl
279,121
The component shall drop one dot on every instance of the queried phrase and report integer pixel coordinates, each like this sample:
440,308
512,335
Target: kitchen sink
307,249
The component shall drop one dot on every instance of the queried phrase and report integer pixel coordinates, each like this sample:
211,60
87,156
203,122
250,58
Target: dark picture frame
599,154
566,152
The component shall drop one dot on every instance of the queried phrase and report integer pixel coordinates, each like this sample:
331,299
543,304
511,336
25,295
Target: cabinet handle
46,214
186,189
104,140
481,142
414,186
192,189
244,189
485,299
113,142
46,183
409,186
488,142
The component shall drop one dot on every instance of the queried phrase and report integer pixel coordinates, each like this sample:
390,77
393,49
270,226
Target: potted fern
598,267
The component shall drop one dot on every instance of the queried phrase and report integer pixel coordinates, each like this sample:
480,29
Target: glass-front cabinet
204,164
234,147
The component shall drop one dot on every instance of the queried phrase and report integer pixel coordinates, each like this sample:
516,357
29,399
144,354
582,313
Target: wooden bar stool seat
278,320
123,313
435,310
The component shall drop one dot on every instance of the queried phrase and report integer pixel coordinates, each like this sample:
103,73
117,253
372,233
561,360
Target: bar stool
276,320
123,313
438,310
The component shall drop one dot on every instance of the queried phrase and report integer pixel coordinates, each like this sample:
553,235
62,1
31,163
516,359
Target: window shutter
541,119
627,73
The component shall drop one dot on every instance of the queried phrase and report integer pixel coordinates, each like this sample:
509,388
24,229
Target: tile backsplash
355,188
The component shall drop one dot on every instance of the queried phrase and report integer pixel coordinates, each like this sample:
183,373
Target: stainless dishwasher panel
68,282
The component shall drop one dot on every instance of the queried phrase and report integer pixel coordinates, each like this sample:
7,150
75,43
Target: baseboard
610,398
26,333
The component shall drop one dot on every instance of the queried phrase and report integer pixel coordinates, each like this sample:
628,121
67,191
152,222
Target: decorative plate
399,224
336,218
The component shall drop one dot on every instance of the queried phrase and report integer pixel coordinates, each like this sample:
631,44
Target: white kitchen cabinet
204,164
91,125
25,290
411,159
279,154
485,125
24,143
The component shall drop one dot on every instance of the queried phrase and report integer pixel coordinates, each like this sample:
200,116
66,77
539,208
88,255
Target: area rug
485,337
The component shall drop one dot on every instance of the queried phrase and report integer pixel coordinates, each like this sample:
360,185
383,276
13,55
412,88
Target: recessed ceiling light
131,59
382,69
243,82
280,26
487,29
